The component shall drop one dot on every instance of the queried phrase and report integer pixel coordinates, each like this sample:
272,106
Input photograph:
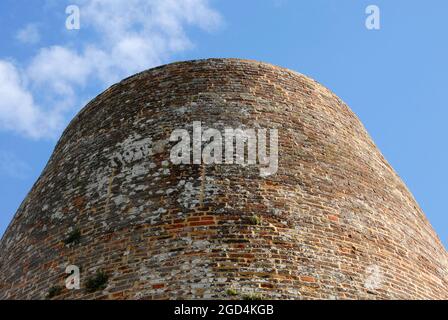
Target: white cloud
129,36
18,112
58,68
29,34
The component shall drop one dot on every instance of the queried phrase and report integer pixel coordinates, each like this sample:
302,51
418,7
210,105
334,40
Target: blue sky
394,79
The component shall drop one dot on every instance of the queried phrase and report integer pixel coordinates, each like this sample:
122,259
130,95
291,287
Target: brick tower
334,221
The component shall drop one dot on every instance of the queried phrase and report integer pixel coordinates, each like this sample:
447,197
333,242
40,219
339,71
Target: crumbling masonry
334,222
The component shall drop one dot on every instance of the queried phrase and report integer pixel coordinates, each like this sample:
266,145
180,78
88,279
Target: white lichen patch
133,148
193,192
57,215
98,181
120,200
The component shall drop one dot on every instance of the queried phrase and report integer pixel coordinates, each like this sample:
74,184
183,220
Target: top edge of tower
214,61
206,63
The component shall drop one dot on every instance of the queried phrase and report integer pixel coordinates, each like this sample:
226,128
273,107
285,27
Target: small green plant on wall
255,220
74,237
54,291
97,282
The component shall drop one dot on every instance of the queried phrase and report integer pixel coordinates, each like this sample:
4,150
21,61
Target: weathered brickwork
335,221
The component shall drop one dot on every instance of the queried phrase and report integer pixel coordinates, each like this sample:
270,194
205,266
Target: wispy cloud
29,34
129,36
18,110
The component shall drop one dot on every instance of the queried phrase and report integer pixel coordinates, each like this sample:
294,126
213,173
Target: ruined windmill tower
334,221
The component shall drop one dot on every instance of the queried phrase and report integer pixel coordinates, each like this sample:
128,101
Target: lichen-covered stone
335,221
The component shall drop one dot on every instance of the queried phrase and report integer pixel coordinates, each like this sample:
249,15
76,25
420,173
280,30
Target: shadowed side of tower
334,221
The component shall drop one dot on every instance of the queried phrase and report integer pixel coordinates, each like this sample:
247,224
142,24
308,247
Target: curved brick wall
335,221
